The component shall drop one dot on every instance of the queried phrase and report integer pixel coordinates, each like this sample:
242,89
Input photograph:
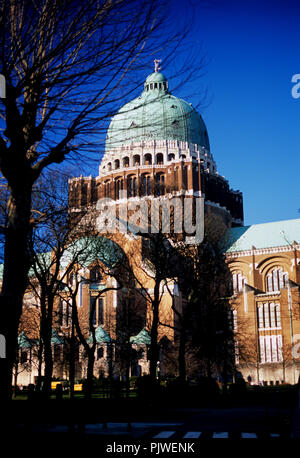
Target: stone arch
148,159
240,272
159,158
136,160
275,272
273,261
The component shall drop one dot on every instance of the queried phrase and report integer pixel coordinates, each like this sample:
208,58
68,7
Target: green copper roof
156,115
24,341
89,249
56,339
267,235
101,336
156,77
142,338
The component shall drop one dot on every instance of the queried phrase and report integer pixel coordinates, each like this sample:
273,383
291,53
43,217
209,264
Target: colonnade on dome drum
186,176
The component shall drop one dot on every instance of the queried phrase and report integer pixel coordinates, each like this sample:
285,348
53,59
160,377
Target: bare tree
130,319
83,324
64,63
204,319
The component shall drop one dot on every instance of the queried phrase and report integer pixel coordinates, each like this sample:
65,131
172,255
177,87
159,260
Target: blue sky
253,49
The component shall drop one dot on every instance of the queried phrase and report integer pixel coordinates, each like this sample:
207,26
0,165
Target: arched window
176,177
171,157
96,311
132,186
148,159
117,164
159,158
136,159
107,189
238,281
109,166
64,313
126,161
95,275
184,178
119,187
276,279
24,357
146,185
159,184
100,353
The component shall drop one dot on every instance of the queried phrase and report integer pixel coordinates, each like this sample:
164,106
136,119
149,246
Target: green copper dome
156,115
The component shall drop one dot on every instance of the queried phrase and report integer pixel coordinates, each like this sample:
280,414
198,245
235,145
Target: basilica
157,147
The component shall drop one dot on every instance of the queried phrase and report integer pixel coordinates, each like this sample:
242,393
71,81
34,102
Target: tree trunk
46,332
16,375
40,364
128,364
181,356
154,350
16,266
72,360
90,373
48,366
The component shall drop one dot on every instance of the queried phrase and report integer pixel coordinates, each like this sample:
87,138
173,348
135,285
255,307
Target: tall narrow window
260,312
100,353
93,311
268,316
276,279
119,188
238,281
132,187
176,178
146,185
160,184
184,178
66,313
270,349
129,187
100,311
95,275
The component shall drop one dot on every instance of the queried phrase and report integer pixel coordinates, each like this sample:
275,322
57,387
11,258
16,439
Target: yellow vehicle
78,387
54,384
66,385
